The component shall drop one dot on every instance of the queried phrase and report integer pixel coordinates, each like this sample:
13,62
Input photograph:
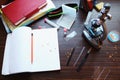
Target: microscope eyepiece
107,6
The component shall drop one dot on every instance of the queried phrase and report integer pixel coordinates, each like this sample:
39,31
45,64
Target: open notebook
30,50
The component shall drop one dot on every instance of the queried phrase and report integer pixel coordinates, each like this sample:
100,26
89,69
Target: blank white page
20,50
46,50
5,66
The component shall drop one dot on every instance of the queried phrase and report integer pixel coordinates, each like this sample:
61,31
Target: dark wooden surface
100,65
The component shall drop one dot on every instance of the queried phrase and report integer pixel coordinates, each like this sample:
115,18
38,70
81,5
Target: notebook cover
19,10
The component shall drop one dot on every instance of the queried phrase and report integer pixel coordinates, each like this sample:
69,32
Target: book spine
5,25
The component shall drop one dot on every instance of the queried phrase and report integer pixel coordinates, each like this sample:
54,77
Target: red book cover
19,10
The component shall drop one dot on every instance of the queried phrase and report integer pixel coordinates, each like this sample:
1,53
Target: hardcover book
19,10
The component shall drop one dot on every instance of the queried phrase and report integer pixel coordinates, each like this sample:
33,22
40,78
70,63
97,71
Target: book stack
23,12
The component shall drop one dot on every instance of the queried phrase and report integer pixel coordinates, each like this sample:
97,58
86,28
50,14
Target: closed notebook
19,10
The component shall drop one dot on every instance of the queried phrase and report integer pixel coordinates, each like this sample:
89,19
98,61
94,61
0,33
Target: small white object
51,23
71,35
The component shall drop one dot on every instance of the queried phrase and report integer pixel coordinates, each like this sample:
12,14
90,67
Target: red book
18,10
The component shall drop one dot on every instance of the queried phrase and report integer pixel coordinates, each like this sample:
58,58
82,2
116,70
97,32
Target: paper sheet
68,17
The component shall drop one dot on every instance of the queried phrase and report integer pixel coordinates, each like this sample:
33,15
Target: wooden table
100,65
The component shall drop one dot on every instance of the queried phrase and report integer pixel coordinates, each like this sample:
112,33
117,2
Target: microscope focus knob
107,6
109,16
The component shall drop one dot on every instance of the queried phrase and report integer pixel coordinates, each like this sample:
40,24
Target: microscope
96,31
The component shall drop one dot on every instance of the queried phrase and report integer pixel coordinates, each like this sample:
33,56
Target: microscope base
90,40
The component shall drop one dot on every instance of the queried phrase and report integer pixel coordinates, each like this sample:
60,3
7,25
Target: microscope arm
104,31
